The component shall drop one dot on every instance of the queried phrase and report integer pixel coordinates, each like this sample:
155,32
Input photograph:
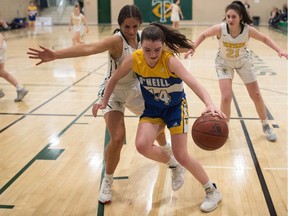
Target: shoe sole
271,140
213,208
18,100
176,189
105,202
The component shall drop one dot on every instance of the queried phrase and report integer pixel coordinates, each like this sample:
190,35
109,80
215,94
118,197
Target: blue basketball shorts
176,117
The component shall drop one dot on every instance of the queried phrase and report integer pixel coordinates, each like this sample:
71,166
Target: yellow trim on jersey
140,67
32,8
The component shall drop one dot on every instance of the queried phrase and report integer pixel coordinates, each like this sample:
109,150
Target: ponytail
171,37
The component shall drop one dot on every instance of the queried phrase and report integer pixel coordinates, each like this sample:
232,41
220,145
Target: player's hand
97,106
214,111
190,52
283,53
45,55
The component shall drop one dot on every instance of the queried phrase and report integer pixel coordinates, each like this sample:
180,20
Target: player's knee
117,140
256,96
141,147
181,158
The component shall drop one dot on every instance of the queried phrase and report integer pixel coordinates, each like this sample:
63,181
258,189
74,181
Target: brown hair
171,37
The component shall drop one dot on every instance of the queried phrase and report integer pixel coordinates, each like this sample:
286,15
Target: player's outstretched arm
110,44
45,54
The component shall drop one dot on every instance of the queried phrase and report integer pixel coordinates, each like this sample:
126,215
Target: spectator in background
176,13
79,24
32,14
275,17
284,13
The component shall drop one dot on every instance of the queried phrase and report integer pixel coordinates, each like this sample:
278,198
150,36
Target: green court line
47,101
100,211
49,154
121,177
45,152
6,206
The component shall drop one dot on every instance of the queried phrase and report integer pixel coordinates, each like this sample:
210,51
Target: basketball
210,132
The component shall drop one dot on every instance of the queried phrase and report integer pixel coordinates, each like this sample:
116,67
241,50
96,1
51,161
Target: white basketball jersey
77,21
233,48
130,79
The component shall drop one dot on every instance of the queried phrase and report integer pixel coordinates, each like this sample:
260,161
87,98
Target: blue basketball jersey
160,87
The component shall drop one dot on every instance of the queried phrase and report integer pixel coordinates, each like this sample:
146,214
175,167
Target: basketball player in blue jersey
160,75
233,35
127,93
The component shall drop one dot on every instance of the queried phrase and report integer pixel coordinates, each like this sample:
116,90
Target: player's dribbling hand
214,111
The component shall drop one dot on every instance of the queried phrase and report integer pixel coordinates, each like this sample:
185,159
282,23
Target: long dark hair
240,9
171,37
129,11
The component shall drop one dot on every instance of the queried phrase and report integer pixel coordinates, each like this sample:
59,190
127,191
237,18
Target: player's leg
179,148
213,195
76,38
7,76
116,128
176,25
255,95
145,144
135,103
21,91
226,96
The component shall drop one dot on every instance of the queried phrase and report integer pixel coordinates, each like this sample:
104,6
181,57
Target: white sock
109,176
172,162
209,185
19,87
264,122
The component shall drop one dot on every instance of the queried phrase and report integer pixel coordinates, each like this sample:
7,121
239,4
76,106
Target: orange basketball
210,132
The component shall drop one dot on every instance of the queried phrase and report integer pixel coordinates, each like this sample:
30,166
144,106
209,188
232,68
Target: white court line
241,168
280,169
228,167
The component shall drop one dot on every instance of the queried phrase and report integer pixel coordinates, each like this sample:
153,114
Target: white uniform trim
78,24
127,92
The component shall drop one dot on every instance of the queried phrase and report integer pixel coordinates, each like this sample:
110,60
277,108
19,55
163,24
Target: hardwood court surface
52,148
